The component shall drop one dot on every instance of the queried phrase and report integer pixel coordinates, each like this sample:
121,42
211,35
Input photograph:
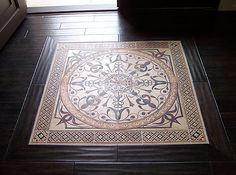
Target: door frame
13,22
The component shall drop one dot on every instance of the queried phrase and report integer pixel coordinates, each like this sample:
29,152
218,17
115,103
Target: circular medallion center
118,83
119,89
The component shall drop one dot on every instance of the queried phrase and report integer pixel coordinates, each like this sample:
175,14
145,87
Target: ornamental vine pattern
119,93
119,89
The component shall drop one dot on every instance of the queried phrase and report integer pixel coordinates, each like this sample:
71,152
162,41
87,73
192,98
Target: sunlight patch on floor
43,3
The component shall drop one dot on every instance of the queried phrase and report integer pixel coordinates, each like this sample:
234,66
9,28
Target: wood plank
9,114
20,150
13,91
101,31
50,32
223,168
229,119
138,168
42,19
194,61
88,38
5,135
221,72
106,18
166,153
44,63
101,24
212,119
19,58
232,134
36,168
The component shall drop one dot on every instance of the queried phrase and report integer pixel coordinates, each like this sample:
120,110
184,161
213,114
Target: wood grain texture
223,168
124,4
137,168
44,62
205,152
37,168
20,150
216,45
194,61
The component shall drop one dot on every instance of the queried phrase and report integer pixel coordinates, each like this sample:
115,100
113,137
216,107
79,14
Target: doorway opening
42,6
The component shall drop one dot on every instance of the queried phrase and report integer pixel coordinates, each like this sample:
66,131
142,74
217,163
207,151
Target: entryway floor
19,58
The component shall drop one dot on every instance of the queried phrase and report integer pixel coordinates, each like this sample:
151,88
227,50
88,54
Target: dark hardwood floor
18,60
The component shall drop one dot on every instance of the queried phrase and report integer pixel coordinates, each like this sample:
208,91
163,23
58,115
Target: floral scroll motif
119,89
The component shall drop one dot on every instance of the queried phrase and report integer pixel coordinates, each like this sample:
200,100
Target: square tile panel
119,93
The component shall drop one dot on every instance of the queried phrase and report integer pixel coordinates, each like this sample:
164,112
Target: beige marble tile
119,93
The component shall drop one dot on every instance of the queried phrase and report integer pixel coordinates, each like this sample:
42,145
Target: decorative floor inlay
119,93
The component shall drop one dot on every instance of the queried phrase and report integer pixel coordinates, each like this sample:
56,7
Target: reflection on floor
43,3
39,6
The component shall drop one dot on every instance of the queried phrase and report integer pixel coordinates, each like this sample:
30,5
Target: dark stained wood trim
194,61
37,168
21,151
44,62
142,168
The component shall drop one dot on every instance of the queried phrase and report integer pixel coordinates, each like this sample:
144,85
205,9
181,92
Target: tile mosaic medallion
119,93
